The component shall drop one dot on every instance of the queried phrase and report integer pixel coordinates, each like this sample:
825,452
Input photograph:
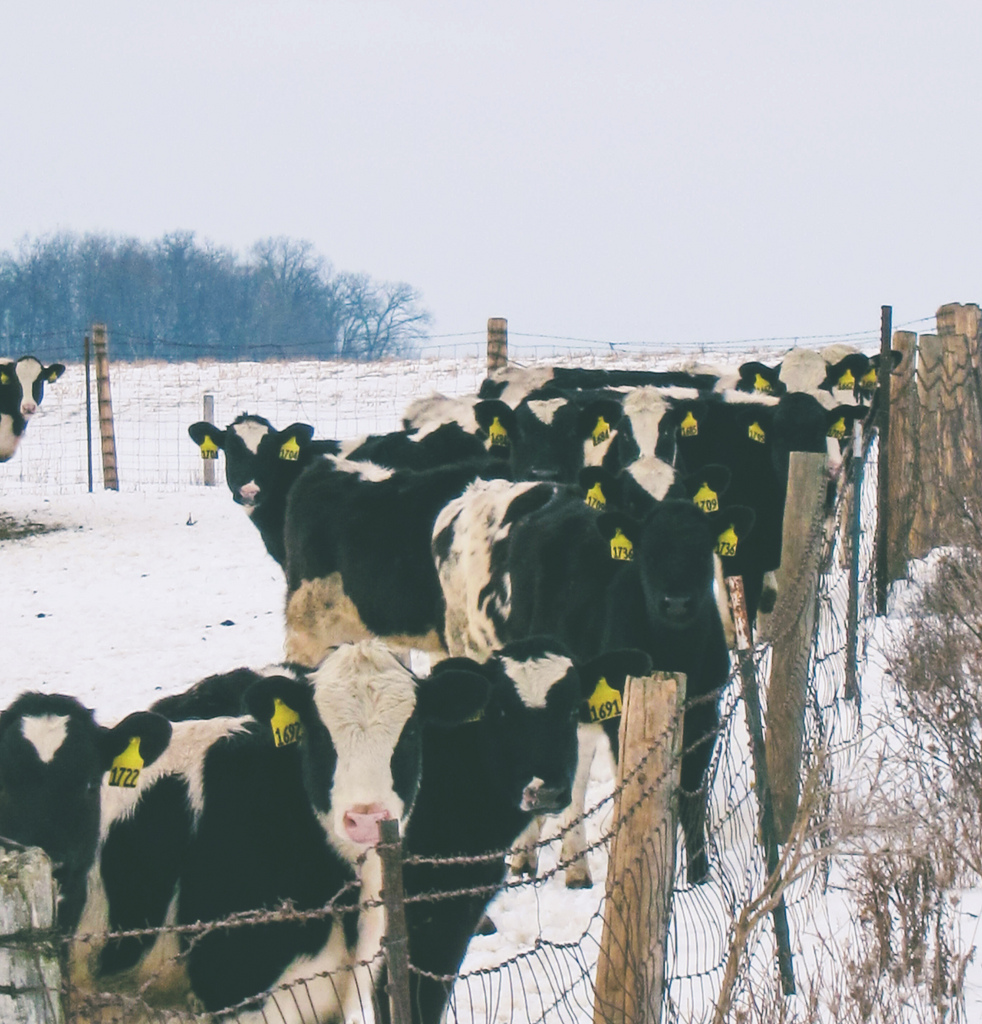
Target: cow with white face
21,390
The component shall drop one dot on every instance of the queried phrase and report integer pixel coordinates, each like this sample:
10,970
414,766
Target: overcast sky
626,170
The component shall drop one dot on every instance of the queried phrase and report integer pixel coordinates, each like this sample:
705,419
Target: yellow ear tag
286,724
761,383
604,702
497,434
595,497
4,378
838,429
475,718
756,433
690,425
846,382
51,377
601,432
209,450
868,379
290,450
706,498
621,549
726,543
126,767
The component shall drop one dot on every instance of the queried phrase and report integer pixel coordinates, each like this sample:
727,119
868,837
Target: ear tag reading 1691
285,724
290,450
209,450
761,383
846,382
621,549
756,433
498,434
125,770
690,425
604,702
726,543
838,429
601,432
706,498
595,497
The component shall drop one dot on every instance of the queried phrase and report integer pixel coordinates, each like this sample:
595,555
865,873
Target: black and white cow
21,390
358,556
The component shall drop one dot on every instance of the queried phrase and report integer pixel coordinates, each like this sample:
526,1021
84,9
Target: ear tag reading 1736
595,497
498,434
285,724
706,498
846,382
756,433
290,450
726,543
125,770
601,432
762,384
604,702
838,429
209,450
690,425
621,549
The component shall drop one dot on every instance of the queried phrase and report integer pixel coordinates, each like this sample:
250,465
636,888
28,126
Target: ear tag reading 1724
706,498
621,549
285,724
846,382
290,450
762,384
498,434
690,425
726,543
838,429
601,432
595,497
604,702
756,433
209,450
125,770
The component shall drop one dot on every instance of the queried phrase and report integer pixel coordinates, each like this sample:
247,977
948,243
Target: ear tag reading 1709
125,770
595,497
209,450
706,498
761,383
838,429
498,434
285,724
868,379
604,702
601,432
621,549
726,543
846,382
690,425
290,450
756,433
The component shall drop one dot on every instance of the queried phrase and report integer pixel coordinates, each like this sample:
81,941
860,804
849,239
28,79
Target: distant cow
21,390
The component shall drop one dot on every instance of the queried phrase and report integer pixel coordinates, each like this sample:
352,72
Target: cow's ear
53,372
452,694
6,372
706,485
207,437
597,419
600,487
135,743
292,441
283,704
840,420
759,378
846,374
496,422
732,526
614,667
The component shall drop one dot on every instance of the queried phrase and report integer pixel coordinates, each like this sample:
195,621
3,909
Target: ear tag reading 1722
285,724
498,434
209,450
838,429
290,450
868,379
761,383
621,549
726,543
706,498
604,702
690,425
601,432
595,497
846,382
125,770
756,433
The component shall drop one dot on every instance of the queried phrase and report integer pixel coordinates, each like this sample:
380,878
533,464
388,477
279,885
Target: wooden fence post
883,467
497,343
900,501
30,975
641,871
208,416
107,431
930,484
87,350
396,944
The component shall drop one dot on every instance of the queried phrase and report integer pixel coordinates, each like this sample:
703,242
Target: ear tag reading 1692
706,498
604,702
125,770
290,450
726,543
621,549
498,434
285,724
761,383
846,382
209,450
690,425
595,497
838,429
756,433
601,432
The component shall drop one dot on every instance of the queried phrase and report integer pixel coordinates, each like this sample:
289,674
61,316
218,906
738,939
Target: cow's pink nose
362,823
248,492
28,408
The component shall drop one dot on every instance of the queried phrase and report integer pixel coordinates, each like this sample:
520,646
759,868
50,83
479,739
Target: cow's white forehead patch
251,433
45,733
545,409
535,677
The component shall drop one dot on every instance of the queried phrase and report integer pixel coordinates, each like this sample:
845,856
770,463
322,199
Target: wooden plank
898,502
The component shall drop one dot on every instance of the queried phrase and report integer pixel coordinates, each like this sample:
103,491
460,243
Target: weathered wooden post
883,467
208,415
631,968
898,504
396,944
107,431
88,407
497,343
851,690
930,483
30,975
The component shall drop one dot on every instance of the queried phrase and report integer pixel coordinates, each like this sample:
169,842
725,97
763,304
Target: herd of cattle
542,541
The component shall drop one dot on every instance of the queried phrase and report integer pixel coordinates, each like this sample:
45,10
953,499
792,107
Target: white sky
625,170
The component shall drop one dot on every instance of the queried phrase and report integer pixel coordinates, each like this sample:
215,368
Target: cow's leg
589,738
